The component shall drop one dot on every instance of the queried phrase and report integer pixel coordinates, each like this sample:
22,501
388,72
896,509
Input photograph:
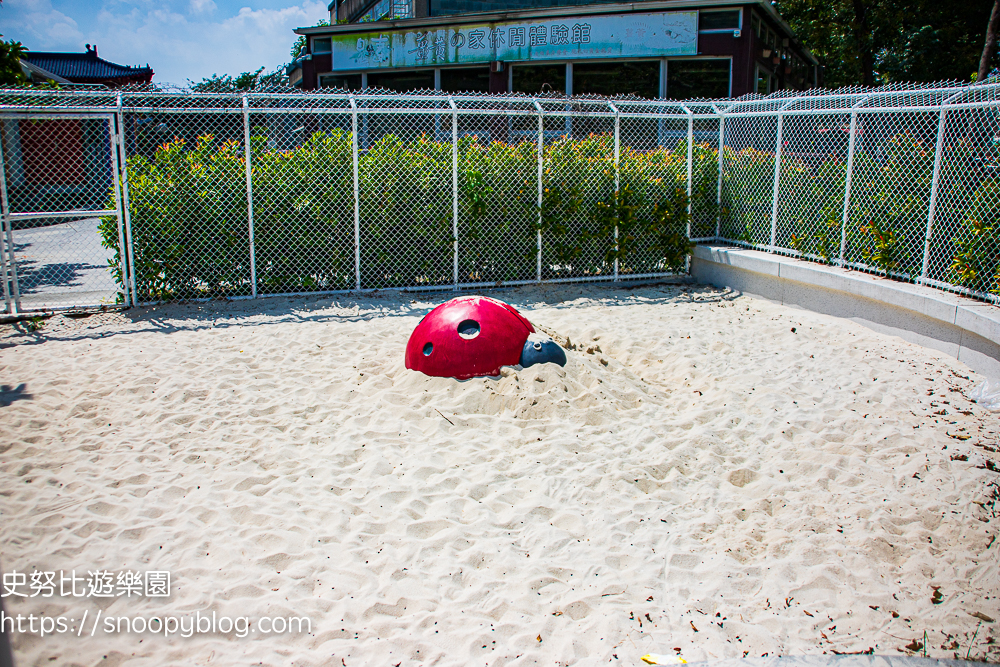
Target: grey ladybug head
542,351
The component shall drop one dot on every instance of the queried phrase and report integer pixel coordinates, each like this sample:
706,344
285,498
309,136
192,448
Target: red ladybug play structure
467,337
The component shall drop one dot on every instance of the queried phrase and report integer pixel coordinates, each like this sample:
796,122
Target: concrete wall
966,329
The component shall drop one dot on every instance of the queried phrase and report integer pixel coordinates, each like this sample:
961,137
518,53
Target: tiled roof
85,67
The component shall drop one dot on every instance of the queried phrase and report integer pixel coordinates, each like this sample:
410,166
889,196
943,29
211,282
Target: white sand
704,479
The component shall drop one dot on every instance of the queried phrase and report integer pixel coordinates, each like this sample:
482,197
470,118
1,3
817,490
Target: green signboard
616,36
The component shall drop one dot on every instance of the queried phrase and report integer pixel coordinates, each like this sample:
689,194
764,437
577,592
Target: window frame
316,40
715,31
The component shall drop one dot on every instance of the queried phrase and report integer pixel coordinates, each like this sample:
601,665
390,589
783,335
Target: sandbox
709,475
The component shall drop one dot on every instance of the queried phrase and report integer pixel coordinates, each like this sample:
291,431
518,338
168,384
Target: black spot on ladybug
468,329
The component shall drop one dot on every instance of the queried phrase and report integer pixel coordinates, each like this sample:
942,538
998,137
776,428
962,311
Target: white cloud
202,6
38,25
180,39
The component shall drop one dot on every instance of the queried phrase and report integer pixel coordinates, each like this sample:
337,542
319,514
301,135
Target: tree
299,47
990,47
872,42
11,73
247,81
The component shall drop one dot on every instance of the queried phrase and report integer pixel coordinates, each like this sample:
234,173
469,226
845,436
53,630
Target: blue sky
180,39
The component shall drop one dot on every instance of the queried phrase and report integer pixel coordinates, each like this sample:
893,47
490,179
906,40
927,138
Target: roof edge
35,69
490,17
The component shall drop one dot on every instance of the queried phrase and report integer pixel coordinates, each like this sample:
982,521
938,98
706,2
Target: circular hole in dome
468,329
428,348
537,345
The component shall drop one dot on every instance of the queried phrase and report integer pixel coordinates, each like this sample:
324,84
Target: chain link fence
143,196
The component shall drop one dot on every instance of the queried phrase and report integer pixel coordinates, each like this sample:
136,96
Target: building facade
675,49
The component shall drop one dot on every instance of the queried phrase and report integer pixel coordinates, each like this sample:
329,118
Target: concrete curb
967,330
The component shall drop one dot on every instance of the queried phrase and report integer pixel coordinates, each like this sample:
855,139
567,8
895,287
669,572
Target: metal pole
690,172
690,168
617,178
13,300
357,201
126,208
113,139
4,212
454,188
541,147
932,209
718,194
777,179
246,161
847,184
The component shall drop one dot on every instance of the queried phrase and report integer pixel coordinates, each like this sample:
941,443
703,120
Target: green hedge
190,235
887,221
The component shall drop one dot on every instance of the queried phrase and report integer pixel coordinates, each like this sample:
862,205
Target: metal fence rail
224,195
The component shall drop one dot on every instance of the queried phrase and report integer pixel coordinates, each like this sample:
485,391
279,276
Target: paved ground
63,265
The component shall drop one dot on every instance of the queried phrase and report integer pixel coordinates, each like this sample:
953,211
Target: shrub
976,263
190,232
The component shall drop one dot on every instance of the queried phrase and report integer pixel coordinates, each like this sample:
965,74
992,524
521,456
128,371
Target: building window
533,79
465,80
691,79
345,82
763,82
767,82
725,21
321,45
640,78
402,82
386,10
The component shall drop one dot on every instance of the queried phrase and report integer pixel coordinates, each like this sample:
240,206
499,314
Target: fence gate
60,198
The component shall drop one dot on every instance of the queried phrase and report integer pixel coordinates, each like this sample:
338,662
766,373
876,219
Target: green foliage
818,210
189,234
885,246
891,193
190,226
191,238
11,73
749,186
976,263
868,42
299,46
498,211
247,81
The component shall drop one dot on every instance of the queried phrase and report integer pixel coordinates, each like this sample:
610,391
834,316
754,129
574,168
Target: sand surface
710,475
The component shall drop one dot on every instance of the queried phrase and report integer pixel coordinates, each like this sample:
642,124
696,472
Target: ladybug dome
467,337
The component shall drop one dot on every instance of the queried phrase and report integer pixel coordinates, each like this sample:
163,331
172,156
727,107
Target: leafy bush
976,264
190,234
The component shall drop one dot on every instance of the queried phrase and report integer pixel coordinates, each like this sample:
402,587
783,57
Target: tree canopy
872,42
10,63
246,81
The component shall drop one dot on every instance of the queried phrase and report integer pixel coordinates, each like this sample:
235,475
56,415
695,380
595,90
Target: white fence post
690,168
851,142
932,208
454,188
10,307
357,202
718,194
690,172
541,148
777,179
116,183
126,208
617,177
246,161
